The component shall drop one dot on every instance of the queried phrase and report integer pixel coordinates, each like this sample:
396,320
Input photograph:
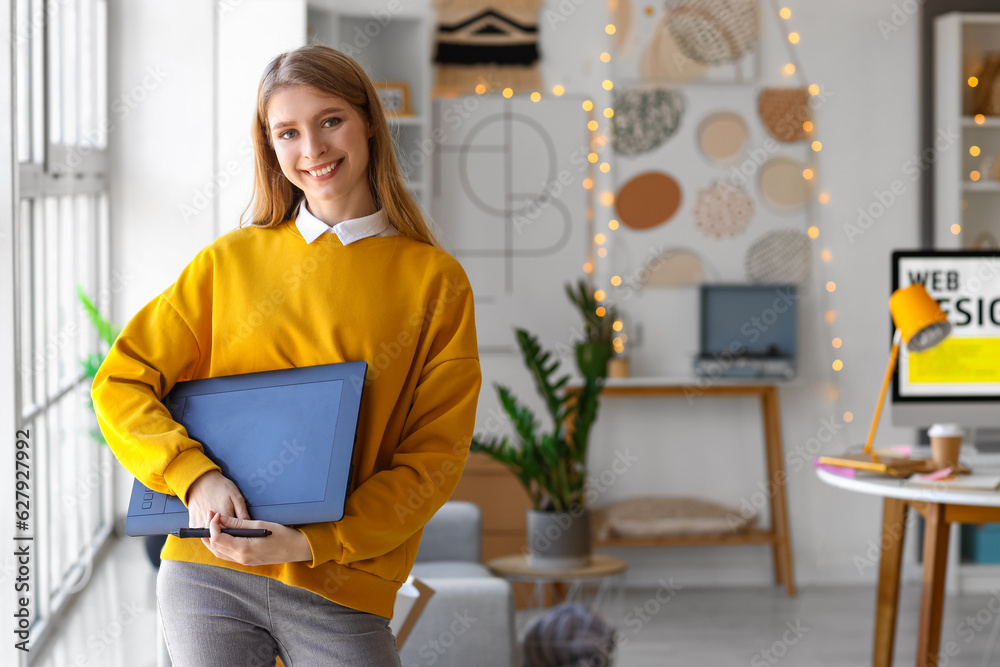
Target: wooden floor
114,624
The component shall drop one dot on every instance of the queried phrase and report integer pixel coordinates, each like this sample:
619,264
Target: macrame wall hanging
489,44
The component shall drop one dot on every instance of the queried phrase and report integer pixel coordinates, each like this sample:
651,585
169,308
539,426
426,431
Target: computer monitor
958,381
747,330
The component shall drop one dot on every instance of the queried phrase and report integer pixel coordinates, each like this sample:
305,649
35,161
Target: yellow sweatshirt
263,299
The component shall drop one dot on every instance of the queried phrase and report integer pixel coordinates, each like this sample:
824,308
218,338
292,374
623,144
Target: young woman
337,265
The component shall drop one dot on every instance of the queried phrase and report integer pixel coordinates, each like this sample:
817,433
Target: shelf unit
388,47
966,211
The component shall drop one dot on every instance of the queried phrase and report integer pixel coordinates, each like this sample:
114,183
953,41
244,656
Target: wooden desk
777,535
940,509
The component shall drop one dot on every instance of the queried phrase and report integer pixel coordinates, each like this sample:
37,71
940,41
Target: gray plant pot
558,540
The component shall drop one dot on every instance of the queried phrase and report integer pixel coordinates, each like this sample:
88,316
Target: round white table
940,508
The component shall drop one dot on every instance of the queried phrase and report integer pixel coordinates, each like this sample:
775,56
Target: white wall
162,158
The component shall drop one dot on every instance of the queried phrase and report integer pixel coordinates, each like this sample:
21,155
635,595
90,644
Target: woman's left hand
283,545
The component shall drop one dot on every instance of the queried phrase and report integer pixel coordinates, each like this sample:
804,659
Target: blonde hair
327,71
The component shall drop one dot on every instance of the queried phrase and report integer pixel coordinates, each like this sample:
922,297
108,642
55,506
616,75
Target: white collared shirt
348,231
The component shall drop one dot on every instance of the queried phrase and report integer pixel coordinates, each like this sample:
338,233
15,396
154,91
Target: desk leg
893,532
932,596
781,548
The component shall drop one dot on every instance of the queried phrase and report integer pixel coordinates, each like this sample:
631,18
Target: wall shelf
962,41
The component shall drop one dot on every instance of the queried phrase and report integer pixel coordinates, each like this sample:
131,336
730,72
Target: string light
609,112
788,69
607,84
814,89
974,175
831,316
588,183
837,364
592,125
480,88
848,417
826,256
793,37
807,174
617,326
956,229
807,126
980,119
599,239
507,92
616,281
587,105
612,225
605,167
813,232
837,342
824,198
600,311
831,286
558,90
609,28
974,151
607,198
785,13
817,146
600,295
605,57
973,82
535,96
593,157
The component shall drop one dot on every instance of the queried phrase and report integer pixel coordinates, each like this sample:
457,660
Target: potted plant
552,464
91,363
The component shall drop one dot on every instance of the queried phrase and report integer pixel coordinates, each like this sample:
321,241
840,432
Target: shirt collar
348,231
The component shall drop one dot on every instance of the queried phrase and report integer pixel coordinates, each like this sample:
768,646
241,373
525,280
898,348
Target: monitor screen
959,379
748,320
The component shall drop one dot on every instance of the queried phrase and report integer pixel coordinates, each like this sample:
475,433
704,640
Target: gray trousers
216,617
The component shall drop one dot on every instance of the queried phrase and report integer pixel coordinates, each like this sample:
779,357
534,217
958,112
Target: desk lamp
920,324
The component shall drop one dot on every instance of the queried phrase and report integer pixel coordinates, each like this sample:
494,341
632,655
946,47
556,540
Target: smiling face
321,143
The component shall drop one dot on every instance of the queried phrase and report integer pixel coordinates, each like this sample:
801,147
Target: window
62,244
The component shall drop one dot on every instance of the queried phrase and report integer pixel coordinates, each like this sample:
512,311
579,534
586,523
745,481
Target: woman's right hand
214,492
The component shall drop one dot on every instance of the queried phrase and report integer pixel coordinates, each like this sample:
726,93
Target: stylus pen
235,532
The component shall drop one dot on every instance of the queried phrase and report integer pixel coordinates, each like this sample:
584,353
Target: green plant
598,327
108,333
552,465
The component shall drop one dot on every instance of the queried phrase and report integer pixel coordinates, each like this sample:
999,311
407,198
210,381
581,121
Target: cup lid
945,430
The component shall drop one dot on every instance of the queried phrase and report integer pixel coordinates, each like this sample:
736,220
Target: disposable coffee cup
946,443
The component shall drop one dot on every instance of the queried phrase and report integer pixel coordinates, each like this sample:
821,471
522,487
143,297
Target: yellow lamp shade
921,322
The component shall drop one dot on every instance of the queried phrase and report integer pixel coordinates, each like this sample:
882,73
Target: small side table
607,572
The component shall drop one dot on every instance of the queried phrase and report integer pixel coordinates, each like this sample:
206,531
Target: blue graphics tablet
284,437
